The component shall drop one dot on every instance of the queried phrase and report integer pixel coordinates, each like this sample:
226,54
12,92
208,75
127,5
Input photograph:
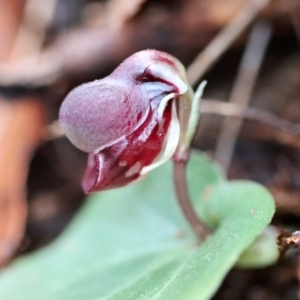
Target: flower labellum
127,121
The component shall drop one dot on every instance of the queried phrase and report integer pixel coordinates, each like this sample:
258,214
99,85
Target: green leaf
133,243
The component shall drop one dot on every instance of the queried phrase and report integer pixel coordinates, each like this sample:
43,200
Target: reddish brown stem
179,171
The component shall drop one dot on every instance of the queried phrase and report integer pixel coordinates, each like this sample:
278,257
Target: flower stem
179,172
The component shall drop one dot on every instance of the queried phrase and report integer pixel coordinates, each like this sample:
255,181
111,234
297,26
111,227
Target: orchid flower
133,120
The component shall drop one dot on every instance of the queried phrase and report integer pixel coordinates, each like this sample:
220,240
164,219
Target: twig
204,61
286,133
226,109
242,90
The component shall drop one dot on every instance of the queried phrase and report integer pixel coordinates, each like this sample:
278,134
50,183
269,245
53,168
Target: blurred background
249,121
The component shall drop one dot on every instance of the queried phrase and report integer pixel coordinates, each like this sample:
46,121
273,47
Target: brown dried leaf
120,11
20,124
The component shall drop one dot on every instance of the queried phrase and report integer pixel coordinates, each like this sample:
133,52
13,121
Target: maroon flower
127,121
